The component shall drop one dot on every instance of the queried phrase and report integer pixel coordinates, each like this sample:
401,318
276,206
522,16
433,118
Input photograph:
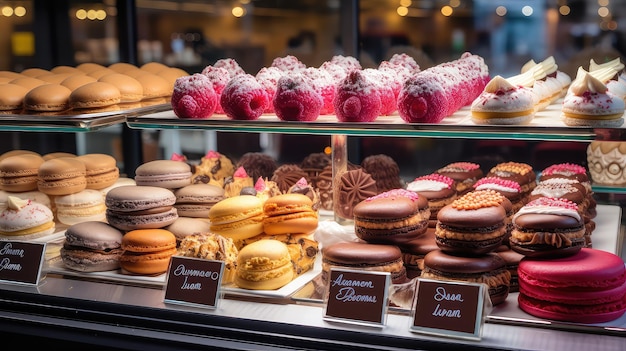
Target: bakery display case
110,310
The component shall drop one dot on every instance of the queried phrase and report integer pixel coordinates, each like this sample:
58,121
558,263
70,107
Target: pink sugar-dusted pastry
219,77
423,99
588,287
194,97
296,99
288,64
406,61
325,84
230,65
349,63
337,72
268,78
357,99
396,75
384,84
244,98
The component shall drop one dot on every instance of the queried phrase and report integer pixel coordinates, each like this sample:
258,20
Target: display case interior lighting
93,15
18,11
238,11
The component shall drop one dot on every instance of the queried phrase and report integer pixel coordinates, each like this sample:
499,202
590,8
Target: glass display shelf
546,126
74,120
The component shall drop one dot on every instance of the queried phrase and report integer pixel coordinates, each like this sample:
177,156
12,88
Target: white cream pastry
503,103
548,82
588,103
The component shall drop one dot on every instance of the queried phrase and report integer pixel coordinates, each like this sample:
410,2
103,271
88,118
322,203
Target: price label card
358,297
448,308
21,262
194,281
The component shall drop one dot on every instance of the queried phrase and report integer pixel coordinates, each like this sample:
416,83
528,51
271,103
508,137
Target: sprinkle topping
475,200
553,202
464,166
411,195
493,182
564,168
512,167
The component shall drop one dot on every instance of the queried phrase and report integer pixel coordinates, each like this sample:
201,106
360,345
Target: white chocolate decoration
16,204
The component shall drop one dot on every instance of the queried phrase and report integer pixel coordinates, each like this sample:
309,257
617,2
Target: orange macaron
147,251
289,214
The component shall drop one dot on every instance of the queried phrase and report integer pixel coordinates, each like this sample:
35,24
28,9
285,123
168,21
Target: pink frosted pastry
396,75
405,61
325,84
296,99
288,64
244,98
194,97
588,103
268,78
219,77
357,99
230,65
336,71
384,84
503,103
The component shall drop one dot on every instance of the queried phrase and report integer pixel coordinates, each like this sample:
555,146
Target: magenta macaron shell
588,287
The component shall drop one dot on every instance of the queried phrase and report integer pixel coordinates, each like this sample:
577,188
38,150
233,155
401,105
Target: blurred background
193,34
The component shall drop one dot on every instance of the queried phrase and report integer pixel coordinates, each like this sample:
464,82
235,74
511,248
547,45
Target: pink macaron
168,174
588,287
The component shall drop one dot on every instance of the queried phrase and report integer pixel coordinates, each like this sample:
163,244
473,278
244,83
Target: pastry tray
73,120
56,266
605,237
547,125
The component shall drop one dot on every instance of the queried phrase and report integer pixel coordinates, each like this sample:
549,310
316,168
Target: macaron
121,181
186,226
26,219
86,205
93,95
289,214
489,269
393,217
238,217
12,97
92,246
62,176
88,67
365,256
195,200
264,265
35,195
168,174
50,155
154,87
73,82
587,287
48,97
131,207
130,89
147,251
20,172
101,170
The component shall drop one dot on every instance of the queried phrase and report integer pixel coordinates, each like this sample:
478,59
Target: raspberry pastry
384,84
405,61
268,78
244,98
357,99
230,65
349,63
423,99
336,71
324,83
296,99
288,64
219,77
194,97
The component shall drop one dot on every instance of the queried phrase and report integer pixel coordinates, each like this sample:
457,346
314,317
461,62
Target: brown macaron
393,217
130,89
93,95
66,69
48,97
154,87
123,67
101,170
73,82
12,97
34,72
19,173
489,269
62,176
88,67
369,257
